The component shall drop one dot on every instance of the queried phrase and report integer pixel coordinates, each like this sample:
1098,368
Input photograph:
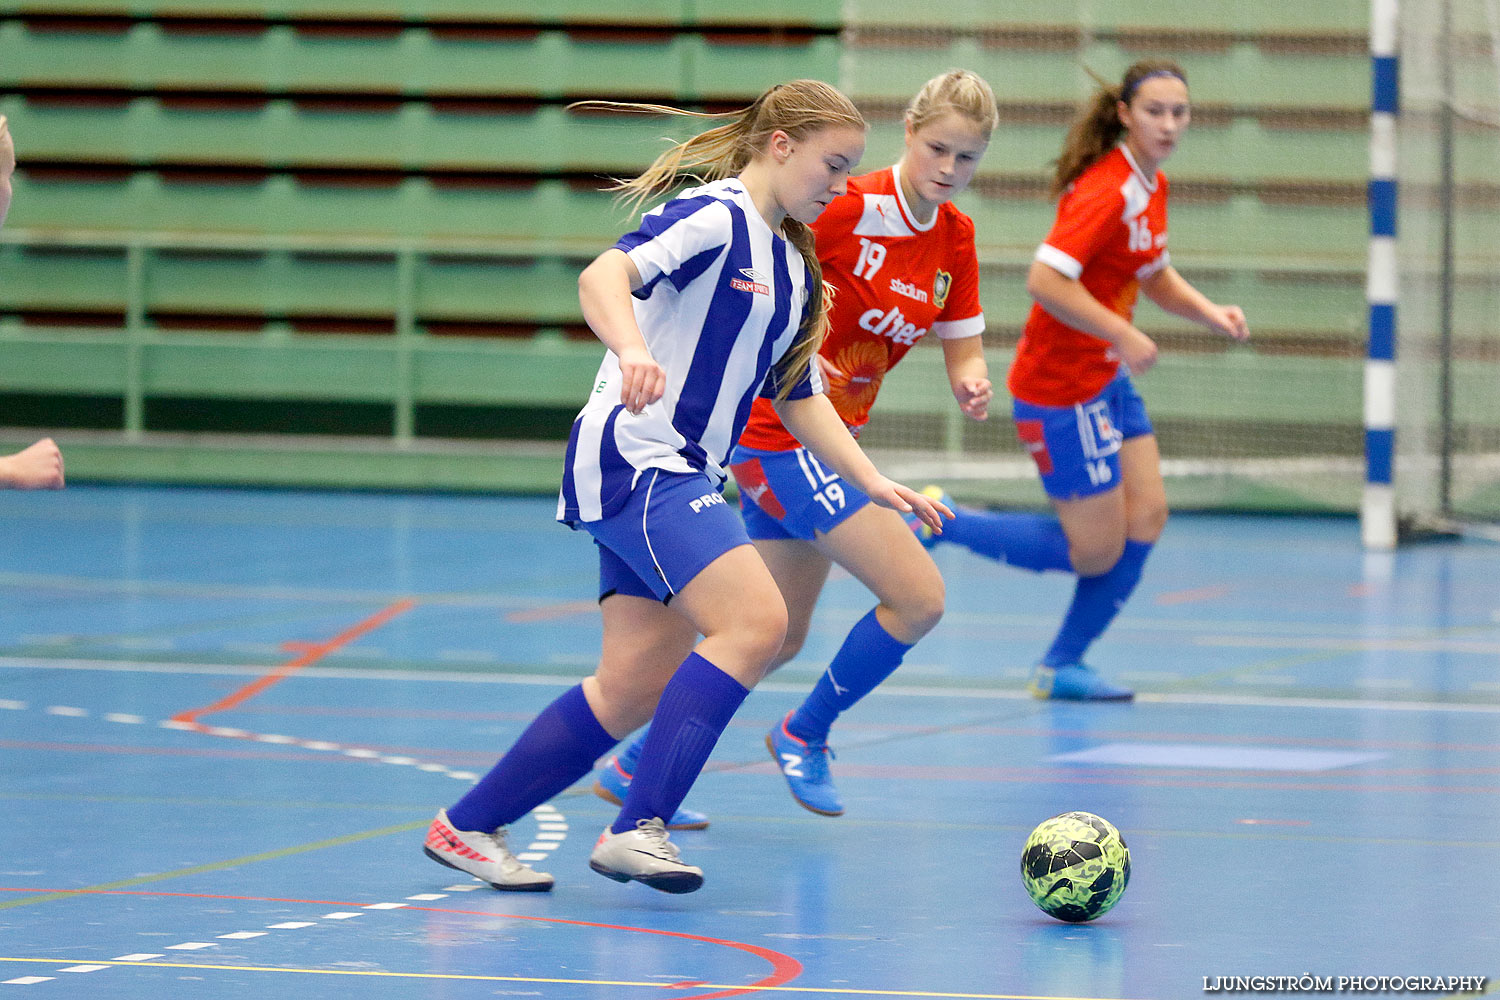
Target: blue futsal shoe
1074,682
613,782
805,767
924,534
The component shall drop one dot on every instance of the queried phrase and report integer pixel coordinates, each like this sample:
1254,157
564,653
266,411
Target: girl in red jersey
902,260
1075,408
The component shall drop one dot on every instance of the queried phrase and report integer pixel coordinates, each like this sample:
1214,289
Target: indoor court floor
226,718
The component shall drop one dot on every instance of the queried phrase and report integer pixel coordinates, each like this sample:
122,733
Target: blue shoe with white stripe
614,781
1074,682
804,765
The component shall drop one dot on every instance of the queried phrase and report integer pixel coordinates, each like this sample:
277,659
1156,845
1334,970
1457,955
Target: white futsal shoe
645,855
483,855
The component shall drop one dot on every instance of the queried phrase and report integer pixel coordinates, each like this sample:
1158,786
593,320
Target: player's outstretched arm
814,422
39,467
1177,296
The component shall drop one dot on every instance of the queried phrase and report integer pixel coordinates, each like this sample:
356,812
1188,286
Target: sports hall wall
314,242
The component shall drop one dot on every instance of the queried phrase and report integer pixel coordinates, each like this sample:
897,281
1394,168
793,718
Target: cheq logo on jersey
753,281
891,324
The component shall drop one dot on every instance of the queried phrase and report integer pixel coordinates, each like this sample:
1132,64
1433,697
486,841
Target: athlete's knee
918,609
926,607
791,645
620,705
1148,521
1096,556
758,630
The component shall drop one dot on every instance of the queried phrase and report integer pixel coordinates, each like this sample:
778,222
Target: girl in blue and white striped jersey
716,298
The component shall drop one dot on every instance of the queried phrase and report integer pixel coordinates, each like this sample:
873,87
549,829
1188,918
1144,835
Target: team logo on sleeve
753,281
941,283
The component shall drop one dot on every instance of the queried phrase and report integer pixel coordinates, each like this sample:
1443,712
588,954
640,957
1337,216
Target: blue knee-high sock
868,656
695,706
1096,601
1031,541
559,747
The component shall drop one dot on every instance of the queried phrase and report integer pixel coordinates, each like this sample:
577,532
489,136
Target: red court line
551,612
312,654
1209,593
784,967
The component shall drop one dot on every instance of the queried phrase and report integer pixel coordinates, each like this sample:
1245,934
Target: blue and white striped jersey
721,300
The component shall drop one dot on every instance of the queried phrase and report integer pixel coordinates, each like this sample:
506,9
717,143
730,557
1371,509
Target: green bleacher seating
311,199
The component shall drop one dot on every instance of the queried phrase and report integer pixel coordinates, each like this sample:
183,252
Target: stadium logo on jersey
753,281
891,324
941,283
908,289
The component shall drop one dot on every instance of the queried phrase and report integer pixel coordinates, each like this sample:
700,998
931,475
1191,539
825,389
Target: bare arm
7,167
815,423
969,375
1071,303
39,467
604,290
1172,292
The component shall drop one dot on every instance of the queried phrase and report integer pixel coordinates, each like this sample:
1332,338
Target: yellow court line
657,985
215,866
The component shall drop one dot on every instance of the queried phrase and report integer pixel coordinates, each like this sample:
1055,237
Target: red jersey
895,281
1110,234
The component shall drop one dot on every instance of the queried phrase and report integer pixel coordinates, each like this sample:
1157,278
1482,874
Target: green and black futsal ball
1075,866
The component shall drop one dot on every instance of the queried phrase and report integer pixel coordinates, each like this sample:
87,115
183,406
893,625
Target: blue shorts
788,494
1077,448
673,525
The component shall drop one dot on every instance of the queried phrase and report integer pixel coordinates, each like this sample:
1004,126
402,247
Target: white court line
800,687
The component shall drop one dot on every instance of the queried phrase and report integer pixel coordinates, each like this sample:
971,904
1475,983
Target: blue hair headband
1127,94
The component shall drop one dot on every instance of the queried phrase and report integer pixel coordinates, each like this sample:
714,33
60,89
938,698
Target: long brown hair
798,108
1097,126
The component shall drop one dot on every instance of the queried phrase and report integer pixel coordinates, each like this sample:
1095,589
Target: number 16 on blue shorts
1077,448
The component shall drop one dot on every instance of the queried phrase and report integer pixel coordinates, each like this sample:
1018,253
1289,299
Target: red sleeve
963,296
1086,219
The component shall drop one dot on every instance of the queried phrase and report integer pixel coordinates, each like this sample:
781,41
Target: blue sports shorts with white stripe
1077,448
789,494
673,525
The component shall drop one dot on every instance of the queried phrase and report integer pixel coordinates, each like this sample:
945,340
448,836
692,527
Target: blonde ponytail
798,108
810,338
